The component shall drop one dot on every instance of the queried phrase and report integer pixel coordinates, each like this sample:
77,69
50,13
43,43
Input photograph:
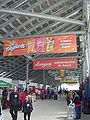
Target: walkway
46,110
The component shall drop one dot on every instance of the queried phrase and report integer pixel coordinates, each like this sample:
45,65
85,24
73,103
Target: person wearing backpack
27,108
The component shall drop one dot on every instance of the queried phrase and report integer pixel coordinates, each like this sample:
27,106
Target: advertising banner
30,46
15,47
43,45
61,44
55,64
40,45
66,44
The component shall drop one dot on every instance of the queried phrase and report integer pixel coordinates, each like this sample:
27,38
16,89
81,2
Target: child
27,108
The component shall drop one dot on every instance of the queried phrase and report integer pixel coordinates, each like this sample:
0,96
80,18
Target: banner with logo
55,64
42,45
15,47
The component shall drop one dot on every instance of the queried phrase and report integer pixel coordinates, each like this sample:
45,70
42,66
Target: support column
84,68
88,38
87,60
27,65
44,79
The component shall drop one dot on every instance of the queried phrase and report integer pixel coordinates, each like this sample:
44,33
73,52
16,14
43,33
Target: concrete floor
46,110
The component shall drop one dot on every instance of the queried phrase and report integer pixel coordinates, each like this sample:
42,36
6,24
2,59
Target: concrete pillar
88,38
27,65
44,79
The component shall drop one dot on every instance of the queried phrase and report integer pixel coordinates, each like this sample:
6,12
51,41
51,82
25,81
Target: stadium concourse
47,110
45,42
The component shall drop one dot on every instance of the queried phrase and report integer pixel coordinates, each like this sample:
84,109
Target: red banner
55,64
43,45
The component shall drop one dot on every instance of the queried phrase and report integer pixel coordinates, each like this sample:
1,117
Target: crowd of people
22,100
14,103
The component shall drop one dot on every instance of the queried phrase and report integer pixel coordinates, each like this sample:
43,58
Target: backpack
27,107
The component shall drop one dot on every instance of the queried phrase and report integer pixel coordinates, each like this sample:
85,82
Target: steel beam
46,58
44,16
56,34
45,11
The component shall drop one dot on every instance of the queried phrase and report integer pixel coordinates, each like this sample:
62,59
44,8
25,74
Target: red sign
43,45
55,64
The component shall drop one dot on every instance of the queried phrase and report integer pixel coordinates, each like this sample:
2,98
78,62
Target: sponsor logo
15,46
43,65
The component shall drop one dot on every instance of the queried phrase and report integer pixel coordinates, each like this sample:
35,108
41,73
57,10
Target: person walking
42,94
4,98
24,94
14,103
27,108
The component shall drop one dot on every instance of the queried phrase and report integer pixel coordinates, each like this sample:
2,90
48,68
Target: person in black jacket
27,108
4,98
77,102
14,103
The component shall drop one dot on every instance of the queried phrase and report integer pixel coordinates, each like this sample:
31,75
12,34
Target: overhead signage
53,72
43,45
58,78
69,81
15,47
55,64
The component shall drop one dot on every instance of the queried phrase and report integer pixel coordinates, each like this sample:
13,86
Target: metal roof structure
32,18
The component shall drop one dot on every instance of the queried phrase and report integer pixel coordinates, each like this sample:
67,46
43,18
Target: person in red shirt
24,94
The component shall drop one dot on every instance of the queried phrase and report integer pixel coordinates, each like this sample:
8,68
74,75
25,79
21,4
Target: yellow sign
69,81
62,73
